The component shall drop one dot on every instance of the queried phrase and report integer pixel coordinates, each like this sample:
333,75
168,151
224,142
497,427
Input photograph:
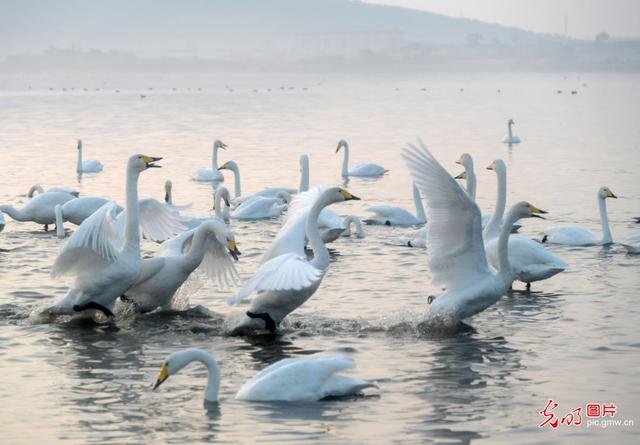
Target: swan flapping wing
285,272
454,233
159,221
97,238
218,264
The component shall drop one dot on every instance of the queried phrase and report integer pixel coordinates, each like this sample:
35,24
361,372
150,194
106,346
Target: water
573,339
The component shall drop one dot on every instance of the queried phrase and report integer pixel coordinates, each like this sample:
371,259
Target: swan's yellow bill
164,375
348,196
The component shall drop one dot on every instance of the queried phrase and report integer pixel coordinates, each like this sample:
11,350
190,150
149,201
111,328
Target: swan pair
510,137
212,174
88,166
76,211
303,379
286,278
457,256
37,189
579,236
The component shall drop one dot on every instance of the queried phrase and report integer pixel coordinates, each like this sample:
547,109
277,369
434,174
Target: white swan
40,209
262,207
397,216
76,211
348,221
360,169
469,174
89,166
212,174
286,278
303,379
37,188
205,247
510,138
105,264
457,257
632,244
579,236
529,260
415,238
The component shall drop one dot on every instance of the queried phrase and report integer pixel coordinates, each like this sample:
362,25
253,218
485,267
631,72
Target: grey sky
620,18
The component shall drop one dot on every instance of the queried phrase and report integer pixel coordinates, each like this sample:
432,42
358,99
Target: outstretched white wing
158,221
454,232
285,272
217,264
96,241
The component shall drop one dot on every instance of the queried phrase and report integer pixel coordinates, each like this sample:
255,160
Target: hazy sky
620,18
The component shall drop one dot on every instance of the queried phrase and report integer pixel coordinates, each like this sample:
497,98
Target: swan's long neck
214,158
351,219
491,230
35,188
132,217
509,130
345,160
213,382
217,201
471,180
168,196
320,252
604,221
194,257
503,246
79,164
304,173
417,199
13,212
236,176
59,221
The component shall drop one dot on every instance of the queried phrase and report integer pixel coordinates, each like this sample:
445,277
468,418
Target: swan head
342,143
219,144
139,163
231,245
174,363
223,193
304,162
462,175
465,160
511,122
605,192
524,209
229,165
338,194
497,166
79,144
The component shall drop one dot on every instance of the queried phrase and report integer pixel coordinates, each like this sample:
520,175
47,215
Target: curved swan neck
345,160
351,219
217,202
12,212
471,179
35,188
79,164
320,252
236,176
193,258
509,124
417,199
304,173
213,382
132,216
491,230
59,221
607,238
503,245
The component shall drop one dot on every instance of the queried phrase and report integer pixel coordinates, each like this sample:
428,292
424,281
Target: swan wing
454,233
217,264
97,240
285,272
159,221
294,379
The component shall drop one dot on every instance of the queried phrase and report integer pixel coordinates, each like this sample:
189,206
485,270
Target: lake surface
574,339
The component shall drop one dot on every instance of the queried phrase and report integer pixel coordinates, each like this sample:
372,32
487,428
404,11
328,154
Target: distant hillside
219,28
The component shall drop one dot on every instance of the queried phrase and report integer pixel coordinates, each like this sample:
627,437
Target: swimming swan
286,278
360,169
262,207
89,166
579,236
397,216
104,263
37,188
301,379
213,174
457,257
205,247
40,209
510,138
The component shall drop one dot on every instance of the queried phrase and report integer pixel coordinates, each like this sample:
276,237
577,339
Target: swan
76,211
510,138
90,166
457,257
105,263
632,244
491,223
262,207
37,188
415,238
222,212
40,209
579,236
300,379
212,174
204,245
286,278
360,169
397,216
529,259
332,226
348,221
468,174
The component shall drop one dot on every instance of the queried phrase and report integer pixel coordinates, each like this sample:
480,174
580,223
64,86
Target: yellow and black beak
226,201
233,250
338,148
223,166
348,196
223,145
164,375
610,194
492,166
462,175
535,212
149,161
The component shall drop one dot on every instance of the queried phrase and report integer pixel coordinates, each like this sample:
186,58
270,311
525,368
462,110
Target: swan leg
92,305
270,325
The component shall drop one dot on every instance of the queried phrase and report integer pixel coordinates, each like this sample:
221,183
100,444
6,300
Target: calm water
574,339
